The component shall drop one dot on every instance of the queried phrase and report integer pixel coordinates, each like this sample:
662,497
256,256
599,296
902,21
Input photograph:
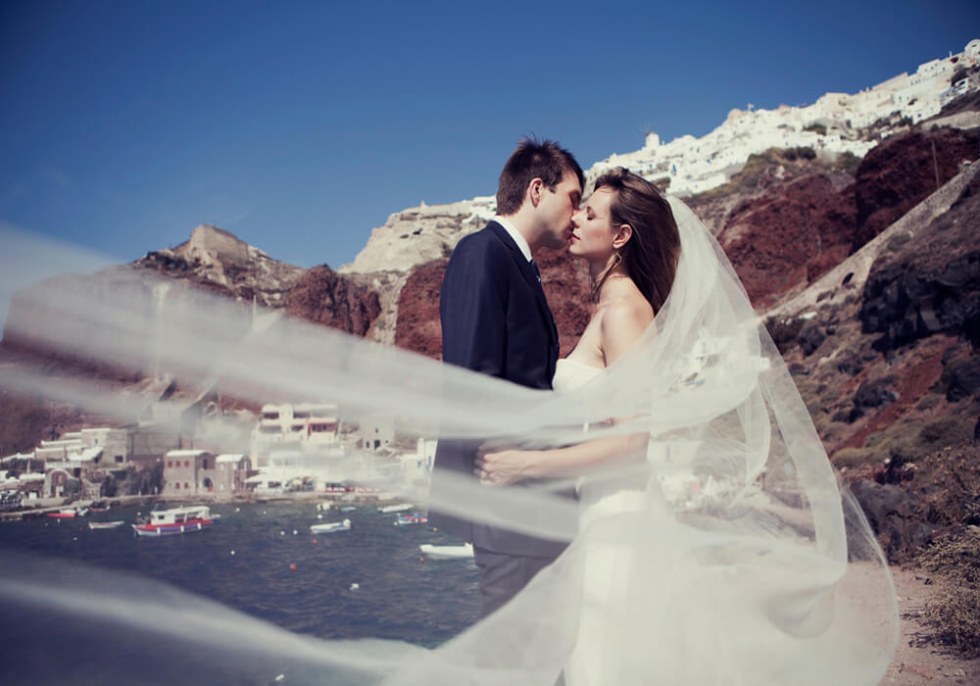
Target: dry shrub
853,458
955,610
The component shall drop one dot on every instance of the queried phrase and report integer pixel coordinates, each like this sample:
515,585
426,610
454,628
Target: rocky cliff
420,234
218,260
786,235
323,296
884,350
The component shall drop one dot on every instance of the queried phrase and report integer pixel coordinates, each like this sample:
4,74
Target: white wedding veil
739,560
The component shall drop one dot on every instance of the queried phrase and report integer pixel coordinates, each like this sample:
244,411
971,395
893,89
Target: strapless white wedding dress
661,602
609,562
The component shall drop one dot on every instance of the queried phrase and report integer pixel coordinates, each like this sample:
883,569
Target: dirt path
917,661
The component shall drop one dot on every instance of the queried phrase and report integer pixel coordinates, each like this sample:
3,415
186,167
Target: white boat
447,552
176,520
106,525
330,527
400,507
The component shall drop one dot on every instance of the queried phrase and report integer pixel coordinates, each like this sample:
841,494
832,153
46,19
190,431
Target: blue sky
300,126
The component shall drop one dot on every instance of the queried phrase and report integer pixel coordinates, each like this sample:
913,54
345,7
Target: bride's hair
650,256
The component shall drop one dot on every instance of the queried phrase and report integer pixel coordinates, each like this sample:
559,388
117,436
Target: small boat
177,520
400,507
447,552
331,527
367,490
348,508
68,513
106,525
414,518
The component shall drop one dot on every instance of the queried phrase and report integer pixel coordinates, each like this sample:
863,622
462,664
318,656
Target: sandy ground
918,660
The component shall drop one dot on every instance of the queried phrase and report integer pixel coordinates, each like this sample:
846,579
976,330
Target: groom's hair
545,160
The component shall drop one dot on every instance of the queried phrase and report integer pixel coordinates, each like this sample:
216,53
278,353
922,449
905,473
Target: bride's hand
501,468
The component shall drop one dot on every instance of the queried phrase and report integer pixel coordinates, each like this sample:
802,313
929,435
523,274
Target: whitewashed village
305,448
295,450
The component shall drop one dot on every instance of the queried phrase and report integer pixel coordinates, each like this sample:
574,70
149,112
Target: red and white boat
69,513
413,518
176,520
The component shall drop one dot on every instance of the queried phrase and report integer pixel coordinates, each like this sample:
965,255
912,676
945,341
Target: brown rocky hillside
884,350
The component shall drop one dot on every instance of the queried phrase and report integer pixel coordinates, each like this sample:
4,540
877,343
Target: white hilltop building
837,123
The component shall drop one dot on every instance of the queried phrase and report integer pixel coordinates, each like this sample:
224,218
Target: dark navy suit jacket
495,320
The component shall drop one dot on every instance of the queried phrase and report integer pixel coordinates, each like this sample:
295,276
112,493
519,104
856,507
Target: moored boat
176,520
331,527
399,507
413,518
68,513
106,525
447,552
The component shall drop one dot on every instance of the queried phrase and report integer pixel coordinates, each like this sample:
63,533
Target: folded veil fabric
726,553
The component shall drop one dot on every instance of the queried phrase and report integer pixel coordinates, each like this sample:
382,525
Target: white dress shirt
515,234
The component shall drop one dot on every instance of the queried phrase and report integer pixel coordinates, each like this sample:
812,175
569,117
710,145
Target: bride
693,563
712,543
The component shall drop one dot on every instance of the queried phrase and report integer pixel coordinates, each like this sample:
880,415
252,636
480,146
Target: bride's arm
621,326
510,466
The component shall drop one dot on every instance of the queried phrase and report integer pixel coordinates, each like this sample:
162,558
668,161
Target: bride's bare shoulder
622,302
624,319
627,311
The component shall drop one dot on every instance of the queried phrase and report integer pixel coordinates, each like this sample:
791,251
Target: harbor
261,559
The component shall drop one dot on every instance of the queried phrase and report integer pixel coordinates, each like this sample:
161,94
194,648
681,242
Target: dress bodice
570,374
598,497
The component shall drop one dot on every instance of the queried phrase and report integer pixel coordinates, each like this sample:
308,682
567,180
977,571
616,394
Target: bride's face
592,232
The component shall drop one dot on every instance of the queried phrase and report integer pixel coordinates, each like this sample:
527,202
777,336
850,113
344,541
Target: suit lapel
527,271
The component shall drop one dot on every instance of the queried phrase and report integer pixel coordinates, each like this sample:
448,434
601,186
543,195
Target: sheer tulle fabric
723,553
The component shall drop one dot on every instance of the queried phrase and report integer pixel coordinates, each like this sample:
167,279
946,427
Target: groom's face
557,207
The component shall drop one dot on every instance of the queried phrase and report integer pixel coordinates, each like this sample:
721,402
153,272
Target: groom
496,320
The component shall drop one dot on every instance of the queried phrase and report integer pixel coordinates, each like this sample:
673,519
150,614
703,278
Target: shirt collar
516,235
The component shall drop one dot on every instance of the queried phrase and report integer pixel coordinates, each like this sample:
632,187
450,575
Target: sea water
261,559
